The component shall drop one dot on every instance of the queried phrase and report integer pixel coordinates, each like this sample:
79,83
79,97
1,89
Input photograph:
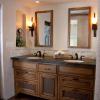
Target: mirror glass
44,29
79,27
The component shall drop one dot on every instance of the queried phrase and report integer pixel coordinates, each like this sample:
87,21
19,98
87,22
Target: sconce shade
94,24
94,28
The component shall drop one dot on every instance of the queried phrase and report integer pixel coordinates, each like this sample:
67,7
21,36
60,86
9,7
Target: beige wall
8,49
8,37
97,84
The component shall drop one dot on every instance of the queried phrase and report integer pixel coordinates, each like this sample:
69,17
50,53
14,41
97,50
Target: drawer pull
47,69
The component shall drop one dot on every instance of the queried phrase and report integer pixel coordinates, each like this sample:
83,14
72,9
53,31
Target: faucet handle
39,53
44,54
35,54
81,57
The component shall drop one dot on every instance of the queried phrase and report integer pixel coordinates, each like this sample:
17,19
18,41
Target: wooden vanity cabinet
48,81
76,83
51,82
26,77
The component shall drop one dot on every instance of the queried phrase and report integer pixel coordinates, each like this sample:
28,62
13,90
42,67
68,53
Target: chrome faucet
76,56
39,53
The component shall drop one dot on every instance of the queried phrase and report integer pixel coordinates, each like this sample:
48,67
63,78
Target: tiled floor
25,97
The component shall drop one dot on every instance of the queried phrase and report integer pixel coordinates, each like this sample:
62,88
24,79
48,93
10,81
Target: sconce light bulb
37,1
94,19
32,19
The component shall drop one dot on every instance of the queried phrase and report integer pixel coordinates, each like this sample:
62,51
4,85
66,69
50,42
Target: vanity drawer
47,68
25,74
25,65
77,81
76,70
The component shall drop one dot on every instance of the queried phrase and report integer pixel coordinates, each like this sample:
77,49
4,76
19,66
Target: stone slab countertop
51,60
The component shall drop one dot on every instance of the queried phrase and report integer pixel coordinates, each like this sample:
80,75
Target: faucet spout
39,53
76,56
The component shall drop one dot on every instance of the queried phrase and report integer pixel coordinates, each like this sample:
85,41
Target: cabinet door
48,86
76,81
67,93
26,87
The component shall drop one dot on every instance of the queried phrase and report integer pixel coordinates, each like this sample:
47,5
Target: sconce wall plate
31,28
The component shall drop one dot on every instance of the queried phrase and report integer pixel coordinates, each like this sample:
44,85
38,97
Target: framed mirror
44,28
79,27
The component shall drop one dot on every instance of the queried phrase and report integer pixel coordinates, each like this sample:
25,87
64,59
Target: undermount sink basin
74,61
34,58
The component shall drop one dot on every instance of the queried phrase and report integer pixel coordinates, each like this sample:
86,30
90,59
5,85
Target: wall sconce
31,27
94,24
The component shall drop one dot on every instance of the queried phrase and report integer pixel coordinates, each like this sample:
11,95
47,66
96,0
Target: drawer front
25,65
67,93
47,68
26,87
25,74
75,70
76,81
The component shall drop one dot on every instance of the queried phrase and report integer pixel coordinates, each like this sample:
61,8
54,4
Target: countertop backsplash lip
52,61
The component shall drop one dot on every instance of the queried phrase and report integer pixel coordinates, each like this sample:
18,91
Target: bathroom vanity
54,79
58,79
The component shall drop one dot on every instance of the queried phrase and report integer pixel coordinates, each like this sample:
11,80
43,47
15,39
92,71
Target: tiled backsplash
86,53
51,52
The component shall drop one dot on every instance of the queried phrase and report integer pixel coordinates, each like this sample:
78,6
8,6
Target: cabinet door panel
48,86
75,94
30,88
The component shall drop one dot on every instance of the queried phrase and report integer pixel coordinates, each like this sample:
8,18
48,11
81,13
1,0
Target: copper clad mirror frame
79,27
44,28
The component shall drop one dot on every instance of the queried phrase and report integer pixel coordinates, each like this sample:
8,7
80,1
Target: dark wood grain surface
25,97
